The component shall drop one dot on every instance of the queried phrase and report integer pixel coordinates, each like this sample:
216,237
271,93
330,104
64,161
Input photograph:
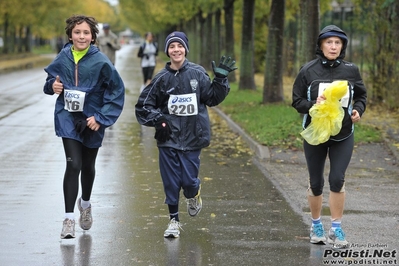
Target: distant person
308,90
108,42
147,52
90,99
175,103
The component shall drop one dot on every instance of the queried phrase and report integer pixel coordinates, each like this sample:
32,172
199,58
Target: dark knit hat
176,36
328,34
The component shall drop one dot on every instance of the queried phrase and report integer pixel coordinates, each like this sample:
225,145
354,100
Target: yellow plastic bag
326,116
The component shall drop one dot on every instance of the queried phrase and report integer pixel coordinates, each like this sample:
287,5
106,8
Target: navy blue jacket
95,75
188,132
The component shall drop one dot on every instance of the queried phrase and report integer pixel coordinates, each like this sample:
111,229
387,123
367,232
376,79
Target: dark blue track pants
179,170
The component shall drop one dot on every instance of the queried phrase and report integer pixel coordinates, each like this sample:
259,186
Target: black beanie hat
176,36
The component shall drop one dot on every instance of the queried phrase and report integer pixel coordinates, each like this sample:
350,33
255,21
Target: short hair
79,19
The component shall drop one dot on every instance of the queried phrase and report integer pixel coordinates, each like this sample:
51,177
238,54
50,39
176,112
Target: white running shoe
68,229
173,230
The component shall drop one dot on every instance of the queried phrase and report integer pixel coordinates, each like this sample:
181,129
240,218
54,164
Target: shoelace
175,225
318,229
339,234
86,214
193,203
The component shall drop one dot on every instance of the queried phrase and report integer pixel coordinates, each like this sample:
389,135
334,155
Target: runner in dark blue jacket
91,97
175,103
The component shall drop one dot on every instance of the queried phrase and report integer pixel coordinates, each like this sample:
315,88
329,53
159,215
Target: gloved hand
109,45
226,66
80,124
162,130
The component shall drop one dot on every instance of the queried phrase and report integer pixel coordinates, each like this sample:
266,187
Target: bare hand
57,85
355,116
320,99
92,124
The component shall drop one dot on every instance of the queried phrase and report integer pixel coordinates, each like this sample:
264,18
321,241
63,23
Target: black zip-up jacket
189,132
322,70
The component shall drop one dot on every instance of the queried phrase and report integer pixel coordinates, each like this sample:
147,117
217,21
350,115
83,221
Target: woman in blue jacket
90,99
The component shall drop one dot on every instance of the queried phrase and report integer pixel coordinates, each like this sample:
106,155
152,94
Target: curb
261,151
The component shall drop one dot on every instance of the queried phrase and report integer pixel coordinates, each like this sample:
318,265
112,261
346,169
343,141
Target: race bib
74,100
344,100
183,104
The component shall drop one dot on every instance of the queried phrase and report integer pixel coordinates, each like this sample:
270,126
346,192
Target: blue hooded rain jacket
104,92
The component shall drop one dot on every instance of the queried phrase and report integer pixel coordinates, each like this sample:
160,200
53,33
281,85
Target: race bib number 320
74,100
183,104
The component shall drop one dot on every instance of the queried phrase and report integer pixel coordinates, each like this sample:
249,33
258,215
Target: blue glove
226,66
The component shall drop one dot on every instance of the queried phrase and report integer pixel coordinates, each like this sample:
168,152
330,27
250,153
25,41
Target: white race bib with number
74,100
344,100
183,104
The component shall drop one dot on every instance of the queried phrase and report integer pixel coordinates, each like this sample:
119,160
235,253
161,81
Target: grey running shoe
317,234
173,230
68,229
194,205
337,238
85,219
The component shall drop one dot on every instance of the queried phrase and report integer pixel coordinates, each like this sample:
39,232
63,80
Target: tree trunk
229,37
273,83
217,35
247,70
309,30
202,21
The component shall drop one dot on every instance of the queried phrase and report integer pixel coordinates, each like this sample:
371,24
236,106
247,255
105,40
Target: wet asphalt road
252,215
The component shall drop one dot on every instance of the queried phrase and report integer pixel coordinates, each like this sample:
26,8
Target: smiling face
331,47
81,36
177,54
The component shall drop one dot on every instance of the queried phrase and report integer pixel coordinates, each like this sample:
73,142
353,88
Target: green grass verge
276,125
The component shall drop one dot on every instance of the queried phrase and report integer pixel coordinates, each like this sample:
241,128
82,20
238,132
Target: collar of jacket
181,69
329,63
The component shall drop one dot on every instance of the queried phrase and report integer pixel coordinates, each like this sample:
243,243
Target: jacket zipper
76,75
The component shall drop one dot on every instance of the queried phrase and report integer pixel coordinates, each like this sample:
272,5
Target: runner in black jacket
307,91
175,103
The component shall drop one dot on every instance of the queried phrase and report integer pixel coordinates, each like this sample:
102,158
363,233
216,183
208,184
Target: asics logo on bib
181,99
71,95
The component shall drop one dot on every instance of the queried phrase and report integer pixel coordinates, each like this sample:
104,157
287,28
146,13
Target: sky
112,2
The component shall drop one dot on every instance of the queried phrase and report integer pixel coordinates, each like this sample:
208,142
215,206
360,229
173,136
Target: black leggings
147,73
79,159
339,153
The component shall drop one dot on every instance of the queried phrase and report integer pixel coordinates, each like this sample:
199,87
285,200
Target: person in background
108,42
148,52
308,89
175,103
90,98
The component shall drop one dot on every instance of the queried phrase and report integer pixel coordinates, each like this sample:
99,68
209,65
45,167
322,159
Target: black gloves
109,45
225,67
80,124
162,130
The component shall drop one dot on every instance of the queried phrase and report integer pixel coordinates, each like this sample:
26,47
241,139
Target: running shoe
337,238
194,205
85,219
317,234
173,230
68,229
